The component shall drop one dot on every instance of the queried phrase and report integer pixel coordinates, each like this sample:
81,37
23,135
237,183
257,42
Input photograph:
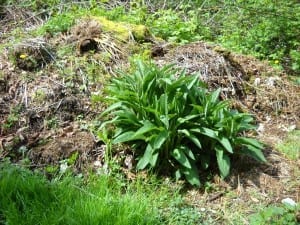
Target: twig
215,197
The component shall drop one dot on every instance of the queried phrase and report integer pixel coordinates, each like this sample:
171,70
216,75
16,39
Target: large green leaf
165,120
112,108
130,117
188,152
160,139
207,132
180,156
126,136
154,158
214,135
223,162
248,141
253,152
191,137
198,108
192,175
163,104
193,82
181,120
146,158
226,144
147,126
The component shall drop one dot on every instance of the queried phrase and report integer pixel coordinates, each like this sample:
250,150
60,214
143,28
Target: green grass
27,197
290,147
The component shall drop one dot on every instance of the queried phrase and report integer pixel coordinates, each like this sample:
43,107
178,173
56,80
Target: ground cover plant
175,123
281,214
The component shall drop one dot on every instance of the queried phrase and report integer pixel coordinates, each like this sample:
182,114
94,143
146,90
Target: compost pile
47,85
45,94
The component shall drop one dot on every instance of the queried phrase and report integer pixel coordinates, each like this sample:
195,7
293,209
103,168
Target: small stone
257,81
63,167
97,163
288,201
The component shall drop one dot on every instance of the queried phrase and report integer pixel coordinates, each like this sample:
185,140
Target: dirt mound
12,16
62,145
47,84
33,54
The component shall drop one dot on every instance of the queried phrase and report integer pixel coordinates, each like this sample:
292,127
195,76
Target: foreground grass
28,198
290,147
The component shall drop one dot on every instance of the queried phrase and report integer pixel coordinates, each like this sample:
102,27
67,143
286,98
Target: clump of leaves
174,123
276,215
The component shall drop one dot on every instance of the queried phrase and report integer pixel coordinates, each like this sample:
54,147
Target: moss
124,31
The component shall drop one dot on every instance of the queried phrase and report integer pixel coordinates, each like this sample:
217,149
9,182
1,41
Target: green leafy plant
59,23
174,123
276,215
169,25
12,118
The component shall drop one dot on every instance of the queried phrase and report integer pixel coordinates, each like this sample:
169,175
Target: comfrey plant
174,123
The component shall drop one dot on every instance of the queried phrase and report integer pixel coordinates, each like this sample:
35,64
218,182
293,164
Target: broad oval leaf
248,141
180,156
253,152
124,137
226,144
146,158
191,137
223,162
160,139
192,175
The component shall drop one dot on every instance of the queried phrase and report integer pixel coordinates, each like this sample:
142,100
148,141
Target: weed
276,215
170,26
59,23
52,123
12,118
